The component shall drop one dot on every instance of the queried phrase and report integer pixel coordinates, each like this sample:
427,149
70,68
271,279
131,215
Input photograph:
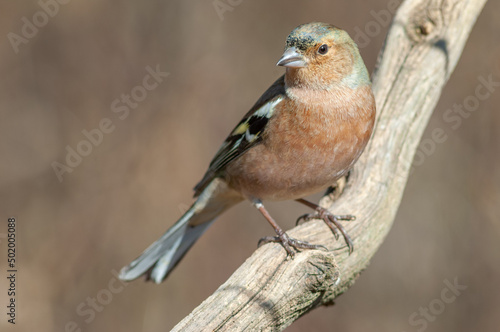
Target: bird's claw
333,221
288,243
305,217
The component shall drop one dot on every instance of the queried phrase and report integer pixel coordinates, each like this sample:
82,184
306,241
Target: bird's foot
333,221
288,243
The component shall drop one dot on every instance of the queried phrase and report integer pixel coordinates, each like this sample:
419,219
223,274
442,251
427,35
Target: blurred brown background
138,180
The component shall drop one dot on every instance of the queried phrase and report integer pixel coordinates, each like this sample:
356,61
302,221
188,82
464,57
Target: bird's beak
292,59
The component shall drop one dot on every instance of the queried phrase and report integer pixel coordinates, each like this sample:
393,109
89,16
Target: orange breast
305,149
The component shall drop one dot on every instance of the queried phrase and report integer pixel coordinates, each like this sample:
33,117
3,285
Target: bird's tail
163,255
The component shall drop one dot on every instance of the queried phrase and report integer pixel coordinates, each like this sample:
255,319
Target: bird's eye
323,49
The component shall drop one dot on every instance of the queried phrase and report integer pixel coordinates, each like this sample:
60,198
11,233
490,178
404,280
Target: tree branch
269,291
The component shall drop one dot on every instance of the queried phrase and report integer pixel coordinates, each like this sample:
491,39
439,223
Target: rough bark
269,291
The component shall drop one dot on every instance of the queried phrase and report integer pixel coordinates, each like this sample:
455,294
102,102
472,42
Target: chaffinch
302,135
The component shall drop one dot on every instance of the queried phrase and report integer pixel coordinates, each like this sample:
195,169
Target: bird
302,135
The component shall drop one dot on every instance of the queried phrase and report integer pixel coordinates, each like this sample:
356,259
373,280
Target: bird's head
322,56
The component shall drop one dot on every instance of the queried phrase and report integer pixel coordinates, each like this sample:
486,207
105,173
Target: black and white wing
246,134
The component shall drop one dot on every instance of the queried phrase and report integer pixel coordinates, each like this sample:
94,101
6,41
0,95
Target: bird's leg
282,237
333,221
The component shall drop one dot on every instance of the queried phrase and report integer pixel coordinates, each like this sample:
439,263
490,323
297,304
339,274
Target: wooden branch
269,291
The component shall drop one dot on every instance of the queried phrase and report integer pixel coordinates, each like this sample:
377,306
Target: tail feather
160,257
158,260
168,261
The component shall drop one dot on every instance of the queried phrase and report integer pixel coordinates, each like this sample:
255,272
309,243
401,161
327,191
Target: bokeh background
73,234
